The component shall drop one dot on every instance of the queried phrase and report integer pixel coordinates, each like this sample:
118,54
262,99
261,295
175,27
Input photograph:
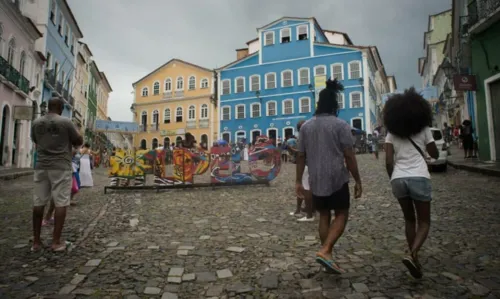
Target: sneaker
295,214
305,219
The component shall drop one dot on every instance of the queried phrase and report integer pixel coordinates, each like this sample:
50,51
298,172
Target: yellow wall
183,98
79,91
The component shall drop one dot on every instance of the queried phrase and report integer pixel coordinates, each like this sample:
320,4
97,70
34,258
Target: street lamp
447,91
448,69
257,94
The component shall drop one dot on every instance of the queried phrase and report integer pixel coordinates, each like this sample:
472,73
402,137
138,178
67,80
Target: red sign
464,82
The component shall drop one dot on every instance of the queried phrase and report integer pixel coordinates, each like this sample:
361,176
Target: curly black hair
407,114
327,103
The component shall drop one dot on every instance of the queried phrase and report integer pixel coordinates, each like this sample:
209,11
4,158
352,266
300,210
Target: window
56,68
286,78
302,32
180,83
53,11
269,38
154,143
254,82
226,113
191,113
285,35
48,62
144,119
304,76
255,110
204,111
166,116
288,107
357,123
356,100
60,27
156,88
22,63
11,51
240,111
354,70
305,105
178,115
192,83
66,34
239,84
156,117
72,44
226,87
319,70
204,83
168,84
63,75
341,101
271,81
144,91
337,71
271,108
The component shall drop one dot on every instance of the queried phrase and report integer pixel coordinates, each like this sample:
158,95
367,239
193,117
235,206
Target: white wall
253,47
335,38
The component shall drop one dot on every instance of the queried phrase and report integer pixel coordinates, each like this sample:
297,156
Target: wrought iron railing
14,76
481,9
50,78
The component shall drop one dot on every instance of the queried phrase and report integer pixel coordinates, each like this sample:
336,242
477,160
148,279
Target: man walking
327,142
54,137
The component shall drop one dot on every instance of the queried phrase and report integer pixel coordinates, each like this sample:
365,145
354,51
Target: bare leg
308,200
50,211
299,205
37,226
410,222
423,209
334,232
60,217
325,218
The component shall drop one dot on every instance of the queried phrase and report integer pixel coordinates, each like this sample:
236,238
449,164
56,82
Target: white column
366,93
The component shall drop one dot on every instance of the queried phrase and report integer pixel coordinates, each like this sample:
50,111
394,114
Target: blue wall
272,61
282,51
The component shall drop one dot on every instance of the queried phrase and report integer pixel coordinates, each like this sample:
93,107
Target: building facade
81,90
274,82
103,91
60,46
176,98
91,136
21,67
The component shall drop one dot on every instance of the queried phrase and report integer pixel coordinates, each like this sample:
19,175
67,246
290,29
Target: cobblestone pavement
240,242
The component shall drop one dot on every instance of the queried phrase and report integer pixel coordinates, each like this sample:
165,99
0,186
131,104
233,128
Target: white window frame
283,131
362,122
182,114
265,39
360,70
225,133
316,70
204,107
300,104
266,82
255,130
191,108
189,82
236,111
307,32
165,84
308,76
153,117
177,83
169,115
202,81
283,78
159,88
222,112
289,35
341,70
270,129
275,108
222,86
239,131
360,99
145,88
251,82
283,106
251,110
236,84
341,95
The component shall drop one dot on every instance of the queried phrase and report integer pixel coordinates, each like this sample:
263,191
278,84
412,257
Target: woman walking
85,167
407,117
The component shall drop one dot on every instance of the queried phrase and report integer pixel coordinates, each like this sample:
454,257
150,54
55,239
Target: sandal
35,249
329,264
413,266
62,248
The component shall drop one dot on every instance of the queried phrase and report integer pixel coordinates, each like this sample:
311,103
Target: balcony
50,79
167,95
143,128
483,14
179,93
17,81
153,127
191,124
204,123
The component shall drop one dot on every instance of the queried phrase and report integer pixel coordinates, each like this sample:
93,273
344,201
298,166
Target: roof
172,60
73,17
346,36
241,49
105,79
253,40
33,26
41,56
282,18
236,61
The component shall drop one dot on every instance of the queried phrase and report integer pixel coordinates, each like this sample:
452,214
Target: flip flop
36,249
330,265
413,267
64,247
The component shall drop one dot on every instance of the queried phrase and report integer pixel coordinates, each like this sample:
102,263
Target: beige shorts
52,184
305,179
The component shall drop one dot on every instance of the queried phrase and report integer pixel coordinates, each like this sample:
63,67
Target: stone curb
15,175
481,170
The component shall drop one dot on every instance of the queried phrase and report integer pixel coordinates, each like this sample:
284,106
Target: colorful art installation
224,163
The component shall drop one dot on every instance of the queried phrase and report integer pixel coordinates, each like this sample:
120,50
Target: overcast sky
130,38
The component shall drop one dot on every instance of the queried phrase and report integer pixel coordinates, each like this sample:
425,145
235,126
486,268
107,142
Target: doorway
204,141
4,131
495,114
226,137
15,144
357,123
143,144
272,135
166,142
288,132
240,137
154,143
255,134
178,141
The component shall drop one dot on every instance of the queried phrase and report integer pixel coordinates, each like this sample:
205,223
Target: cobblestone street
240,242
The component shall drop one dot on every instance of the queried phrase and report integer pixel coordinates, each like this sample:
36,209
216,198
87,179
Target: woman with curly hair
407,118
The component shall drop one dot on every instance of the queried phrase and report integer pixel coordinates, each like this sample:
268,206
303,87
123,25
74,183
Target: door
356,123
288,132
4,130
154,143
272,135
204,141
15,144
495,113
240,136
166,142
255,134
226,137
178,141
143,144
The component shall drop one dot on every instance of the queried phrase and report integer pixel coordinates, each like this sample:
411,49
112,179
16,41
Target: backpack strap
417,148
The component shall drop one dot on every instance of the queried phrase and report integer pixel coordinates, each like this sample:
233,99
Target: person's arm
33,135
301,157
389,155
74,136
430,144
350,158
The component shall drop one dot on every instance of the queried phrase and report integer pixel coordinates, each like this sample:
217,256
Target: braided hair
327,103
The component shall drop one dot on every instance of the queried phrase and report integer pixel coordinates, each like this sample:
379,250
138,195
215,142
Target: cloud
130,38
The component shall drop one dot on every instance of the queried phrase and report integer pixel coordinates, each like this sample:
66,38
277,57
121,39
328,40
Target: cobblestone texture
132,241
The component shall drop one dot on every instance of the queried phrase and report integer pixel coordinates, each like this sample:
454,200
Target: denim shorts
416,188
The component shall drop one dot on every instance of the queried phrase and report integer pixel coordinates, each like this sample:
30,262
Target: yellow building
103,90
172,100
81,89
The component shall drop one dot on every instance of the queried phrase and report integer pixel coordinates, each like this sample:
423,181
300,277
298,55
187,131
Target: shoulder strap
417,148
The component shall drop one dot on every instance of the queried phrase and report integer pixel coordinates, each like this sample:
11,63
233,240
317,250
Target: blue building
274,82
59,44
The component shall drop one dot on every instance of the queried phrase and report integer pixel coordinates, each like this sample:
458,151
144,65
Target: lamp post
448,69
257,95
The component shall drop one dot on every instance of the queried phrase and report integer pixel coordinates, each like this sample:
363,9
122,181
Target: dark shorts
339,200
